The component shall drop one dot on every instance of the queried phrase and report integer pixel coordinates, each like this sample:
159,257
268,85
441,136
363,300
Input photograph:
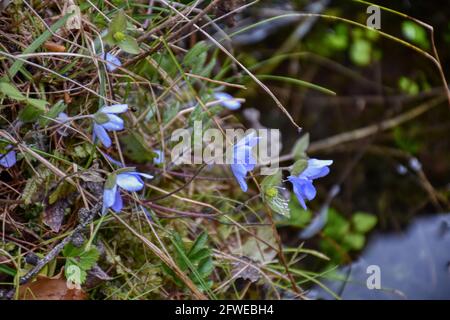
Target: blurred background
387,129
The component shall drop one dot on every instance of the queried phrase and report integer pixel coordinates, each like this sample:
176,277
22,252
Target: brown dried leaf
245,269
45,288
74,22
91,176
258,250
95,276
54,47
54,215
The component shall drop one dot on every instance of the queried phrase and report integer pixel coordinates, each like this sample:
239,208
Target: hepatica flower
227,101
303,183
62,118
159,158
243,160
112,62
106,119
7,158
127,179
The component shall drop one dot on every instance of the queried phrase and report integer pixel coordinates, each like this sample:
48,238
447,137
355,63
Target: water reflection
414,265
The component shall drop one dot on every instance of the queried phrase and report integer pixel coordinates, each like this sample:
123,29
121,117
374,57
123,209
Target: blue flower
106,119
227,101
415,164
243,160
62,118
112,62
7,159
127,180
303,183
112,160
159,158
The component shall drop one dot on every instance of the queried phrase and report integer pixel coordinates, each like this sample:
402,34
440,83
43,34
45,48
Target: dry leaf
91,176
67,98
258,250
74,22
54,212
244,269
45,288
54,215
95,276
54,47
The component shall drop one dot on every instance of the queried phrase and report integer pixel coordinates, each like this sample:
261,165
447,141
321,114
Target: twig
86,216
178,189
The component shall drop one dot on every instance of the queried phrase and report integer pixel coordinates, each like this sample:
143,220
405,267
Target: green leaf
199,244
30,113
75,274
197,264
272,195
272,181
191,59
78,262
361,52
83,150
71,251
88,258
11,91
7,270
135,148
38,104
182,261
300,147
109,39
337,226
129,44
408,86
299,166
354,241
208,68
118,23
62,191
407,140
119,36
200,255
364,222
205,267
339,39
279,204
53,113
415,33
